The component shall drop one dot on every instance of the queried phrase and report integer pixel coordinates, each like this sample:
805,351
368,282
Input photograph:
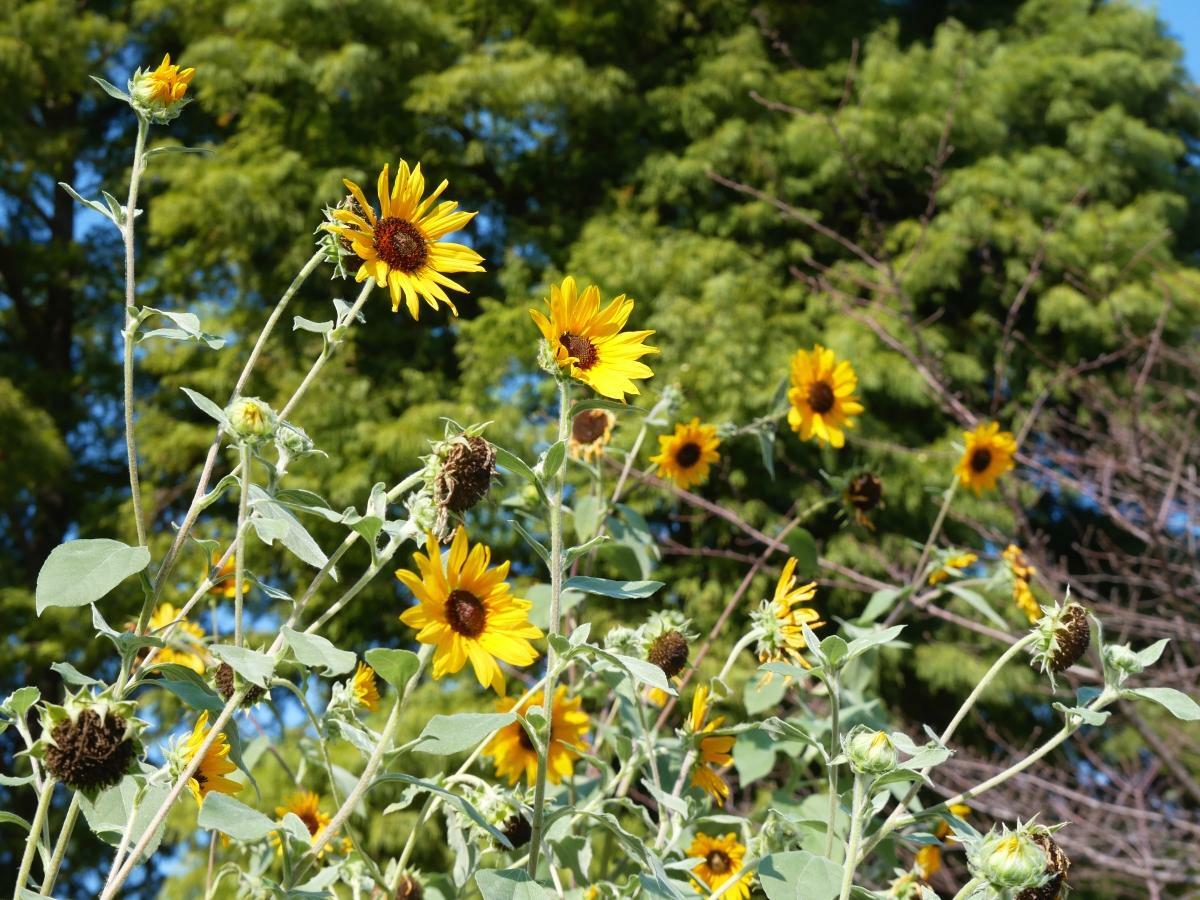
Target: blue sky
1183,18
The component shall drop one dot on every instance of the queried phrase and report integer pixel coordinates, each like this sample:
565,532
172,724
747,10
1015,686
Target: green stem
556,579
968,888
934,533
60,848
239,547
35,829
833,686
130,330
856,825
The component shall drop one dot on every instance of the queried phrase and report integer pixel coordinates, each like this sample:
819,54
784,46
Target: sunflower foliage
588,764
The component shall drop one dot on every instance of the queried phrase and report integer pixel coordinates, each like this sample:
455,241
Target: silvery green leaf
586,512
111,89
91,204
508,884
766,447
175,148
295,536
622,590
1177,703
71,675
551,461
861,645
447,735
299,323
881,602
115,209
978,603
80,572
1151,654
207,406
450,797
395,667
573,553
313,650
538,547
508,460
798,873
254,666
108,814
20,701
601,403
223,813
187,686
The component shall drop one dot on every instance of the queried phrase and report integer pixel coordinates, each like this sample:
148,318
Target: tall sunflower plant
607,766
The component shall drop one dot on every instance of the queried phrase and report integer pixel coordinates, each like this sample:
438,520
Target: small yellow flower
210,774
306,806
402,247
685,456
953,566
513,751
822,396
165,85
588,341
223,581
363,687
1017,562
187,642
929,857
1026,602
722,859
467,610
988,454
714,751
591,430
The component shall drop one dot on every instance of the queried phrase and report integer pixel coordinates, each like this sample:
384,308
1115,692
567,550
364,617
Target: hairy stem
239,547
60,848
833,686
856,826
35,829
130,331
556,579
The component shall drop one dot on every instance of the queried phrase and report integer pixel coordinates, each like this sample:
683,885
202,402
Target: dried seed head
518,830
466,474
865,492
1073,636
669,652
90,752
409,889
227,684
1057,867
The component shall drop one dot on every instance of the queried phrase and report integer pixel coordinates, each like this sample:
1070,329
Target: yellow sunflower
953,566
722,859
401,248
468,612
988,455
363,687
591,430
513,751
822,396
714,751
306,806
223,580
168,83
210,774
588,342
685,456
187,642
1026,602
782,619
929,857
1017,562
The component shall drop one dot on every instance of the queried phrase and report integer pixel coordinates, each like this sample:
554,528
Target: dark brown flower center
669,652
718,862
981,459
866,490
401,244
309,818
688,455
523,739
581,348
820,396
465,613
589,426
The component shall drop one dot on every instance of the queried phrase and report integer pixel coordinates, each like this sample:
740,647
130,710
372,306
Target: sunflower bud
1122,659
870,752
226,681
1057,867
250,419
159,94
1009,860
1063,637
669,652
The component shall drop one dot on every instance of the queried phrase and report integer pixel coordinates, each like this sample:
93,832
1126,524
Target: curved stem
60,848
856,825
556,579
130,331
239,547
35,830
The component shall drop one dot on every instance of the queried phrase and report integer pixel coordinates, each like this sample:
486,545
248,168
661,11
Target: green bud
250,419
1122,659
870,752
1009,860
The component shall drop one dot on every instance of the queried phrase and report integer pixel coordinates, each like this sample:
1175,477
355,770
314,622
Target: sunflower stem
833,687
947,499
556,579
239,547
60,848
856,825
35,829
130,330
969,888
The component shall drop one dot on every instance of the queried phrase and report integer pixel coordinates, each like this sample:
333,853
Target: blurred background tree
1004,195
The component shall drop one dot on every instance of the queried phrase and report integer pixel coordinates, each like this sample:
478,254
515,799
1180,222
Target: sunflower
1018,564
988,455
953,565
167,84
782,621
188,650
685,456
513,752
721,861
210,774
306,806
467,611
222,580
591,430
588,342
363,687
1025,601
401,248
822,396
714,751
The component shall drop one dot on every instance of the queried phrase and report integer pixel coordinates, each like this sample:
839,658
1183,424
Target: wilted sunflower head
90,741
227,681
1063,636
665,640
864,494
458,474
591,430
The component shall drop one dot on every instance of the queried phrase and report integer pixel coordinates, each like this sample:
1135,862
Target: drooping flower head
186,645
467,611
988,454
721,860
685,456
782,618
588,342
223,584
928,860
714,750
513,752
214,766
591,431
306,806
864,495
90,741
401,247
822,396
364,688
